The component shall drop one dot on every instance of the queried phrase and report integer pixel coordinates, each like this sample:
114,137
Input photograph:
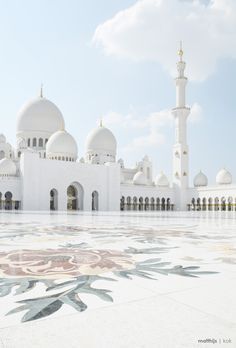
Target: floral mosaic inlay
61,264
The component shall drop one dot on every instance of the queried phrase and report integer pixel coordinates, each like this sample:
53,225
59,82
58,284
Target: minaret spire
180,148
180,52
101,123
41,91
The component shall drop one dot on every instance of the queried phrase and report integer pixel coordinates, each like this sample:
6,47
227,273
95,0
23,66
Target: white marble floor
118,280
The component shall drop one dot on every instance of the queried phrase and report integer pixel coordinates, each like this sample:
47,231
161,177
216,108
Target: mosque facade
43,171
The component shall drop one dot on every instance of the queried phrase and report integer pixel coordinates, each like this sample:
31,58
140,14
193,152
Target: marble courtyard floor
118,280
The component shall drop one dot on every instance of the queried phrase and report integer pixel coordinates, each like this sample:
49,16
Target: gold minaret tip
180,52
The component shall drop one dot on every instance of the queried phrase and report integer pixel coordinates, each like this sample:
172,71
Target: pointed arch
53,199
75,196
95,201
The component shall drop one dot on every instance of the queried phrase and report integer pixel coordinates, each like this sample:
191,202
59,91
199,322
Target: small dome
223,177
2,138
101,139
162,180
139,179
121,162
21,143
7,167
40,115
146,158
200,180
61,144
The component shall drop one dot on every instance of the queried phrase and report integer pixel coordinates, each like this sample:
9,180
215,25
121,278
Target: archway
122,203
216,203
146,205
198,204
135,203
209,203
158,204
128,203
75,197
168,205
204,205
230,203
53,199
8,200
223,203
95,200
152,203
140,206
163,201
193,203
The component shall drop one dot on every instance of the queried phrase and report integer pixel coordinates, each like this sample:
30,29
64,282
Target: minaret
180,148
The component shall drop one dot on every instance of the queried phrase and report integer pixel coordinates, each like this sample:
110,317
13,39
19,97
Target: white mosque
44,173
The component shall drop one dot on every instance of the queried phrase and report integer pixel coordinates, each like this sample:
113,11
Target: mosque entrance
8,201
75,196
71,198
53,199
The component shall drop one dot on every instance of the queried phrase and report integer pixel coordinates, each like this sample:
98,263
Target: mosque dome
101,139
2,139
61,145
7,167
40,115
223,177
200,180
139,179
162,180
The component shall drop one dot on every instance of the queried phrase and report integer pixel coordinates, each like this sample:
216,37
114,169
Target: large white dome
200,180
139,179
101,139
40,115
7,167
162,180
224,177
61,145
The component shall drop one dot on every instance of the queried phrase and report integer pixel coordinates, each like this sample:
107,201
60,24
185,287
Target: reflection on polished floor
129,279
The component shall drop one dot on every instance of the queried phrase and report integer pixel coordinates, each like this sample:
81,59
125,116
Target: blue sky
98,59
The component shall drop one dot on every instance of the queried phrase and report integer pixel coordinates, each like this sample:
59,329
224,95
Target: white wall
39,176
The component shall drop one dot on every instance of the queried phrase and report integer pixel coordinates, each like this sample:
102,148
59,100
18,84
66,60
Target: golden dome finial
180,52
101,123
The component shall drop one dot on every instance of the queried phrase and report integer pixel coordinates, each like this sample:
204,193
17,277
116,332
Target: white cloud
152,126
150,30
196,113
154,138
